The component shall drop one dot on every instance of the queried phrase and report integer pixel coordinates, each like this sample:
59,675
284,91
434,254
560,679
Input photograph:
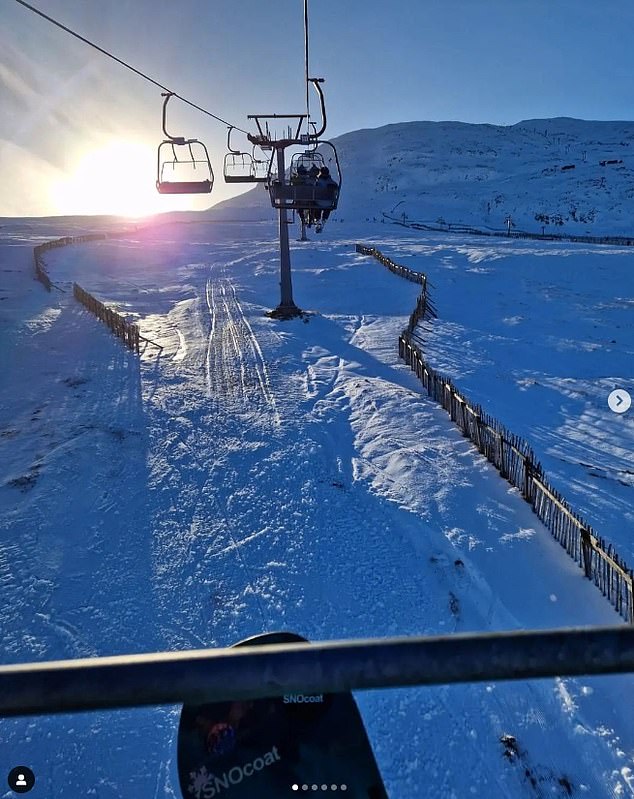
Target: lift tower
284,195
287,308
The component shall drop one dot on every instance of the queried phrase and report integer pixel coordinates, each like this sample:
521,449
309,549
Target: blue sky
68,110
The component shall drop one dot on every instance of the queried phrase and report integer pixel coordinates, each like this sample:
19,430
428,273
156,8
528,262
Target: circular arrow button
619,400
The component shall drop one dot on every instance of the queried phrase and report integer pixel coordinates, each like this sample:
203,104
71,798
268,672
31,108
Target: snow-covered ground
539,334
258,475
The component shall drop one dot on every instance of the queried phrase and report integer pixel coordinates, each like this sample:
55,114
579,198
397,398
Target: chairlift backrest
309,159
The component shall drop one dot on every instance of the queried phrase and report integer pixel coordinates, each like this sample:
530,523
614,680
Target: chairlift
187,156
240,167
301,194
260,167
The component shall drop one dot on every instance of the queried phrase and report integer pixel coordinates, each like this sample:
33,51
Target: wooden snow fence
514,459
424,307
126,331
40,268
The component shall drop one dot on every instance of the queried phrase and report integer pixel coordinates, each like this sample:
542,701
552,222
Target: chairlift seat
184,186
299,197
240,179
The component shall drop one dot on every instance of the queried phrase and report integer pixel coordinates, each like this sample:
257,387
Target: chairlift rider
327,188
301,178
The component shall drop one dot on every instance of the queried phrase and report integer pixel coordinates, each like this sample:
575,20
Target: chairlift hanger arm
313,137
322,103
176,139
229,147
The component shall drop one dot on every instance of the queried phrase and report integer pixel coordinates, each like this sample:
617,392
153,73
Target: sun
118,178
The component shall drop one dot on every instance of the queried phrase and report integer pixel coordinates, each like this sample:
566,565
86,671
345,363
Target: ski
276,747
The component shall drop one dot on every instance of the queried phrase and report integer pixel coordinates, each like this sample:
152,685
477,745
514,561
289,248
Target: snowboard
276,747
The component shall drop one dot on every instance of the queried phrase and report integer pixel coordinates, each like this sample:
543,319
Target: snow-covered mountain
560,175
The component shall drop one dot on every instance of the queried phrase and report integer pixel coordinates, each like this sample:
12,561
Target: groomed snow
257,475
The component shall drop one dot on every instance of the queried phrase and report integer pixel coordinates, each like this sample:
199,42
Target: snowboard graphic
272,748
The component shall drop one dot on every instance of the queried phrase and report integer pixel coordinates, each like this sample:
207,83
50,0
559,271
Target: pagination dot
305,787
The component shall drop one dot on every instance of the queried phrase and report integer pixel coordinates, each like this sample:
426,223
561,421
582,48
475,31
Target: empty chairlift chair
260,168
241,167
238,168
178,174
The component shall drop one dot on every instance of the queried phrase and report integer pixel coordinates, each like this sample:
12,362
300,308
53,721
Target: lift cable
126,65
306,66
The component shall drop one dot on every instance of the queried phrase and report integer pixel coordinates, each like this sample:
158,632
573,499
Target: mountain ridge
555,175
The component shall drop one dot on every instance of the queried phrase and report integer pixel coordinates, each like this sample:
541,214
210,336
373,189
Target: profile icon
21,779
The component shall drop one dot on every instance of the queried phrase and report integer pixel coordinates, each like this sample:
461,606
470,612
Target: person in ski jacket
301,178
326,194
313,174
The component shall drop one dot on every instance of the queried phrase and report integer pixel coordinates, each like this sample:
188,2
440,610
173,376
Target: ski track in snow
182,347
266,475
232,341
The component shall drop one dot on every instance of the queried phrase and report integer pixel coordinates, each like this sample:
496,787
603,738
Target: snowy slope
257,475
479,174
539,334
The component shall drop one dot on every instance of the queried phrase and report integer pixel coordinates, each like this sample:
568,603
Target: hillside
560,175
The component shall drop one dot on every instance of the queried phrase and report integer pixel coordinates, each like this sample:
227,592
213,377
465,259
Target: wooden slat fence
126,331
40,270
424,307
40,267
515,461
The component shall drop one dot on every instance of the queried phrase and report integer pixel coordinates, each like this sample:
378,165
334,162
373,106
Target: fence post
528,469
478,431
501,467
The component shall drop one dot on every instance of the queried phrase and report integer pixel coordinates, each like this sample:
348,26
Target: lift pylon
294,196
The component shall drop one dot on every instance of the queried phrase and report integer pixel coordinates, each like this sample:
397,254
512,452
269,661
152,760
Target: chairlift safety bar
213,675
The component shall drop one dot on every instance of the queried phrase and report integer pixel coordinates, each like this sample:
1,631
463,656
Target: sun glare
117,179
